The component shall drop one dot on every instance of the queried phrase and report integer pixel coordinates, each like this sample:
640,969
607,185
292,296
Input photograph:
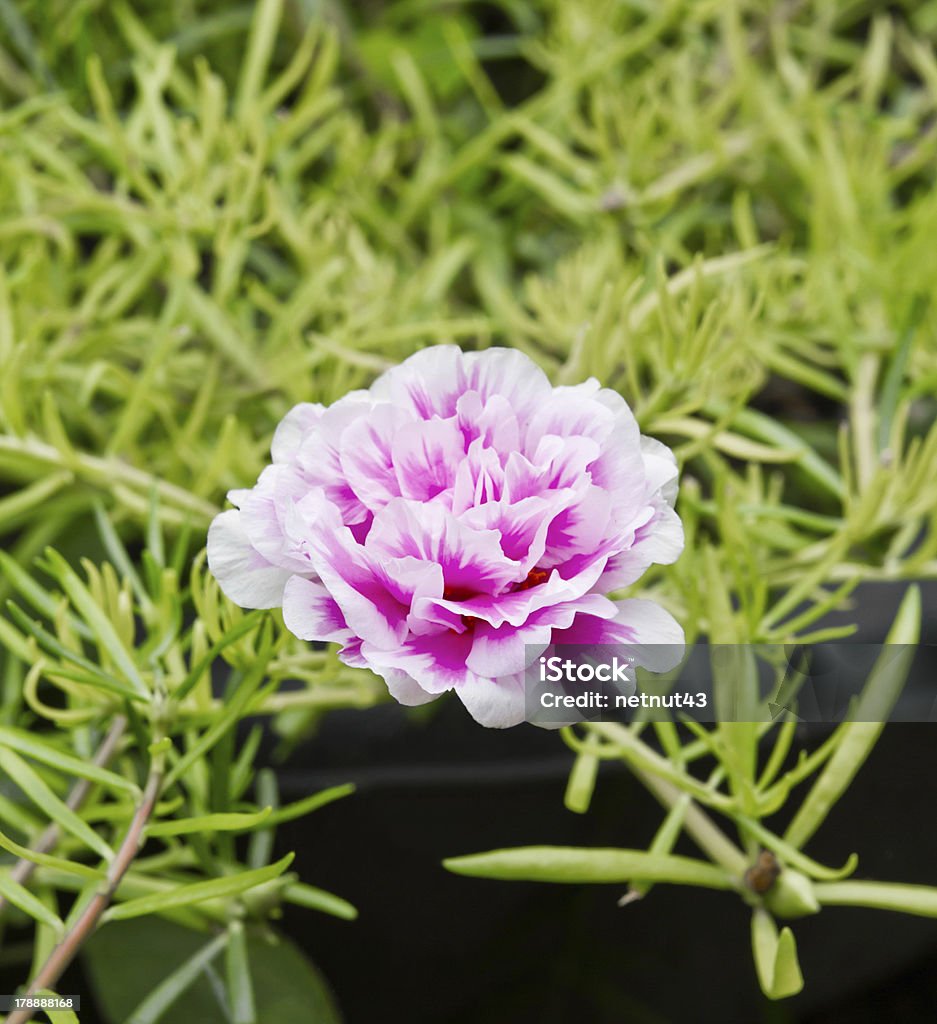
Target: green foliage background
726,210
211,211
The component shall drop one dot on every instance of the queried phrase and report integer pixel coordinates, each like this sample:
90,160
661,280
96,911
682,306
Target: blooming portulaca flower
454,521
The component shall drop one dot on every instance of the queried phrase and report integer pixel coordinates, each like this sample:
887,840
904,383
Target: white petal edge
659,640
494,703
245,576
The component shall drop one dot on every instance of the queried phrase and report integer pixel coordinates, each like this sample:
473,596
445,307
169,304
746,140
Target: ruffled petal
569,414
295,426
265,513
310,612
658,541
366,455
513,607
660,468
494,703
580,528
436,663
472,561
523,525
510,374
651,635
245,576
348,572
492,422
479,478
319,455
428,384
508,649
426,454
404,688
431,382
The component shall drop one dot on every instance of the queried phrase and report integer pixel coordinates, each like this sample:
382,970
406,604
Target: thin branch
639,756
658,775
23,870
697,824
66,951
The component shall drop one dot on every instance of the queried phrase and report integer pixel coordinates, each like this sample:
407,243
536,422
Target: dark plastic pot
434,948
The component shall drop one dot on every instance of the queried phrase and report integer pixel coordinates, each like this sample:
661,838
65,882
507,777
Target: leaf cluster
174,683
741,772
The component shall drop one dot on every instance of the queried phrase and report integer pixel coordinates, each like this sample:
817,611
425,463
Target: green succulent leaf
21,897
856,737
48,860
96,620
207,823
303,895
775,957
31,746
198,892
33,786
569,864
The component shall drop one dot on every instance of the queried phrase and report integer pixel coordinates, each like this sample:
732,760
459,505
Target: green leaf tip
775,956
574,865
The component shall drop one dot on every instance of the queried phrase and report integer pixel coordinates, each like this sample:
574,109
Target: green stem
23,870
640,756
66,950
909,899
698,825
646,766
103,474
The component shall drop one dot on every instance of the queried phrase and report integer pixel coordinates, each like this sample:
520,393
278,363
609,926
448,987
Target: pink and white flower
449,524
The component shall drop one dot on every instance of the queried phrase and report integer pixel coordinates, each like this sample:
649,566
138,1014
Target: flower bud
792,895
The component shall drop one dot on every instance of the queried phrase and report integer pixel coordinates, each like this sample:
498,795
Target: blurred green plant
726,215
724,771
129,763
210,211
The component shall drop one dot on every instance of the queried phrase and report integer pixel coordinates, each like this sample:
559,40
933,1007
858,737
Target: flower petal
493,422
310,612
431,382
569,414
579,528
348,572
319,455
511,374
507,649
517,606
405,689
660,467
652,636
428,384
245,576
479,478
523,525
659,540
472,560
426,454
436,663
300,421
365,455
265,514
494,703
